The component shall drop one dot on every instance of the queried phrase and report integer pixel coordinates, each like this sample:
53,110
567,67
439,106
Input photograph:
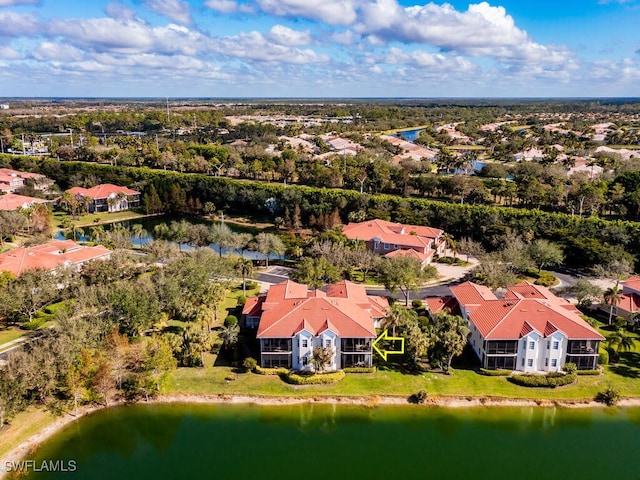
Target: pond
314,441
149,223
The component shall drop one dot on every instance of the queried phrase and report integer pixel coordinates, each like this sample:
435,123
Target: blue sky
320,48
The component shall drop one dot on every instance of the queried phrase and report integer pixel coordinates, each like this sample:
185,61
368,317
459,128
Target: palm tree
229,336
138,232
221,235
244,266
612,296
621,341
97,233
268,243
397,315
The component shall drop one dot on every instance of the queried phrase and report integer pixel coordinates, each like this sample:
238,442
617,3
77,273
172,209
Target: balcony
355,345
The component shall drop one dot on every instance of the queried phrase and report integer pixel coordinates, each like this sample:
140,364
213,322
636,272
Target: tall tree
612,296
244,266
545,254
267,244
221,235
404,273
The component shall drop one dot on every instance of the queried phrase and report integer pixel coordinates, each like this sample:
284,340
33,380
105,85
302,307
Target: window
523,362
305,360
548,344
554,363
376,244
387,246
546,362
327,343
530,362
532,345
305,343
556,345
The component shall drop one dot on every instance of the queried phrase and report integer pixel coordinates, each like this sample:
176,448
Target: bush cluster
360,370
589,372
551,380
230,321
271,371
546,279
495,373
609,397
315,379
419,397
603,357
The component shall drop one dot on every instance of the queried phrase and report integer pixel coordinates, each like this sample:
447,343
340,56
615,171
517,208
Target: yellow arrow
385,337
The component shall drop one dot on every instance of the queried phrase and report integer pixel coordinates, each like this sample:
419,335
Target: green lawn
23,426
11,333
92,219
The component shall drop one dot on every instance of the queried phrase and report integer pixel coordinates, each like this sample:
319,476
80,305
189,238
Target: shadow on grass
628,366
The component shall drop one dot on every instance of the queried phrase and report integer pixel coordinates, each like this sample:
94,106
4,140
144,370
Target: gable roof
390,232
632,283
104,190
289,307
49,256
13,201
410,252
437,304
525,308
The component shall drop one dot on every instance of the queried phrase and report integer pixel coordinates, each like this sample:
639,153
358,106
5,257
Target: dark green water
335,442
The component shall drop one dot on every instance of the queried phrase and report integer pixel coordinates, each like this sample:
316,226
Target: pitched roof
390,232
632,283
437,304
13,201
104,190
524,309
469,293
410,252
49,256
290,307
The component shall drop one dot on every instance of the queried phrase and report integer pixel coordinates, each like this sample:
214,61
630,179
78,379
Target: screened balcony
353,345
501,347
583,347
355,360
276,345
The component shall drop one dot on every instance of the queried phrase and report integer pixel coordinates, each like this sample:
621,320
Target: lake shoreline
20,451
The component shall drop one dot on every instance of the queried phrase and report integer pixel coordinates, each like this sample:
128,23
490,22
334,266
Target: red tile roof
390,232
437,304
421,257
49,256
632,283
290,307
13,201
525,308
104,190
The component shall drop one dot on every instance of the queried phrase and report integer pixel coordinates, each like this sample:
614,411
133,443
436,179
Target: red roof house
13,201
107,197
293,320
385,237
50,256
528,329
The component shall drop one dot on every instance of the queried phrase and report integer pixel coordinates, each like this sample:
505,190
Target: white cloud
176,10
423,59
334,12
50,51
14,24
119,11
222,6
483,30
289,37
11,3
255,46
8,53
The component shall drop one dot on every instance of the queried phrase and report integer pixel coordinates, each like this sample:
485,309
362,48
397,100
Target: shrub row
550,380
316,379
271,371
589,372
360,370
495,373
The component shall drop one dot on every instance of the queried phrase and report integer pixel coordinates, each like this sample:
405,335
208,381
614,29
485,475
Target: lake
312,441
149,223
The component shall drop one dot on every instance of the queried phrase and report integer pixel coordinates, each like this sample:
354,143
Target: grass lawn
11,333
95,218
23,426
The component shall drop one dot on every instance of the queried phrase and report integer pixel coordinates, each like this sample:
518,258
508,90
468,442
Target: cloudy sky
319,48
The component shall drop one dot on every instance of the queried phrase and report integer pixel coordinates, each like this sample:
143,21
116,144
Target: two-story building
529,329
391,239
11,180
107,197
292,321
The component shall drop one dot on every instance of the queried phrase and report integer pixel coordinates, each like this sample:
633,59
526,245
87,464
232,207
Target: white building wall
476,342
302,349
544,357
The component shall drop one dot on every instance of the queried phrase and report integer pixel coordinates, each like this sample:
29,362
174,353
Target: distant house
108,198
628,301
293,320
13,201
50,256
11,180
529,329
392,239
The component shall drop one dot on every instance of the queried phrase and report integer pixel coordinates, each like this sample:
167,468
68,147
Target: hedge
603,357
495,373
550,380
589,372
360,370
271,371
315,379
